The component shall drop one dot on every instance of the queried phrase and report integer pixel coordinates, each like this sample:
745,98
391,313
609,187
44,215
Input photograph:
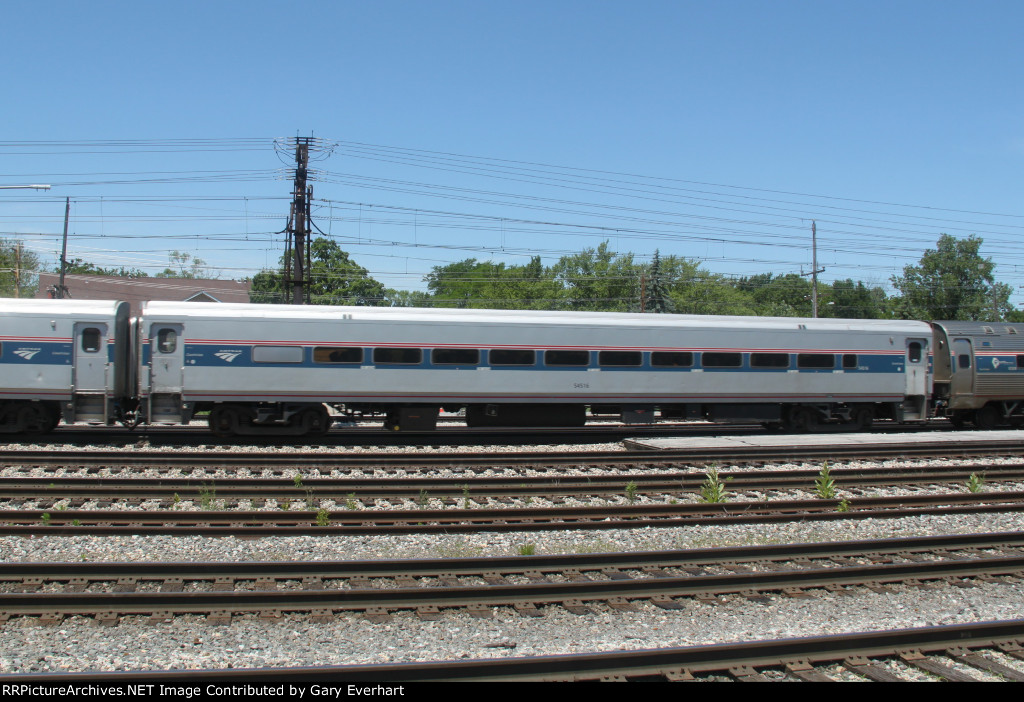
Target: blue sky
712,130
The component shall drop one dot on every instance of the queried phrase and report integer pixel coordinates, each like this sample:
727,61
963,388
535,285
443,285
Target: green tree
466,283
78,266
486,284
656,297
185,265
845,299
19,270
787,295
599,279
407,298
335,279
695,290
952,281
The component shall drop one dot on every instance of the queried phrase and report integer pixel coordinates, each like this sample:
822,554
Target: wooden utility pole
62,290
298,231
814,269
17,270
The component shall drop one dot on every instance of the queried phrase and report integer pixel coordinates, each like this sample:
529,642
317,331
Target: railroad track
931,650
259,523
74,459
108,591
866,655
75,491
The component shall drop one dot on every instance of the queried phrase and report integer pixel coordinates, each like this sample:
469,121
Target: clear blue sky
714,130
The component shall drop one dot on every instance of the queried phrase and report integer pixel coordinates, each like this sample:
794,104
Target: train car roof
62,308
165,311
981,328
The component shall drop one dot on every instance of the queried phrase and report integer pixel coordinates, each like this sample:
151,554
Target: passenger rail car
979,373
257,367
294,370
69,358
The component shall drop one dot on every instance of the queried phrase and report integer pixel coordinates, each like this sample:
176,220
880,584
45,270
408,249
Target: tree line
952,281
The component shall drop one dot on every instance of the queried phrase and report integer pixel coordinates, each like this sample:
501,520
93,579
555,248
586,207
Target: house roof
138,290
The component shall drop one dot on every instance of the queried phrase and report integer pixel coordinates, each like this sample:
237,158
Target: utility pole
17,270
814,269
62,290
297,265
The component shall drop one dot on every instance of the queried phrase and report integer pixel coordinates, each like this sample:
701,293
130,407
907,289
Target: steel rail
539,592
358,522
100,488
736,660
14,572
225,459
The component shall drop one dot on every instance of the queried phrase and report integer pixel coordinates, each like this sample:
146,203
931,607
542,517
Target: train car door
89,372
962,383
916,374
166,374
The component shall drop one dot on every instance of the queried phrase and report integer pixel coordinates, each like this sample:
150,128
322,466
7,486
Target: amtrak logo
228,356
997,362
27,354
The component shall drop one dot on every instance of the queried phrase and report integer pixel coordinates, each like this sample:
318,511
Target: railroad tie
621,604
745,673
322,616
803,670
527,609
479,611
872,671
922,662
126,585
107,618
377,615
977,660
428,613
221,617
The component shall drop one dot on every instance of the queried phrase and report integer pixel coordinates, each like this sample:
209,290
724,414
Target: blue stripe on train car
206,355
45,353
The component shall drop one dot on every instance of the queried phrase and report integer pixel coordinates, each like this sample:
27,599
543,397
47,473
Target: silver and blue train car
979,373
65,358
258,368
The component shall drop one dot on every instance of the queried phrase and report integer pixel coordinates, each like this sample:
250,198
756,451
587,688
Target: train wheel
862,418
801,420
988,417
315,420
958,421
36,418
225,420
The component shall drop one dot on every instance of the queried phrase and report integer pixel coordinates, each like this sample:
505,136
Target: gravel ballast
80,644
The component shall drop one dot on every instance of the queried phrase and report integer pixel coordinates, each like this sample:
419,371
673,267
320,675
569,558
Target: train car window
512,357
566,358
914,351
166,340
815,360
1020,362
721,359
277,354
964,361
328,354
671,359
769,360
850,360
91,340
455,357
619,358
398,356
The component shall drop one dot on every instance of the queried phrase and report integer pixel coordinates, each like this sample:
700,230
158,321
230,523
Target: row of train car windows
578,358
